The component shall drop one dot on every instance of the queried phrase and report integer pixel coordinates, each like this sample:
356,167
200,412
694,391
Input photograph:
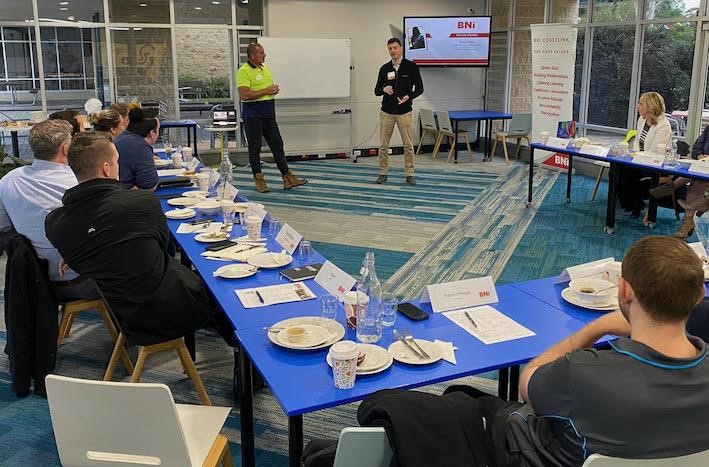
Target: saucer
162,162
235,271
185,213
195,194
270,260
570,296
182,201
314,336
376,359
403,354
336,330
209,237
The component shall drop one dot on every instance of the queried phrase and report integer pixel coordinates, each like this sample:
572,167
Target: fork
410,338
403,340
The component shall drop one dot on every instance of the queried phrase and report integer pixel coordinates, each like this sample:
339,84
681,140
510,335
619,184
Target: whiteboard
308,68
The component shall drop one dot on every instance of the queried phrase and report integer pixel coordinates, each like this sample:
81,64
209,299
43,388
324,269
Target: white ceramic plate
570,296
403,354
185,213
269,260
336,330
376,359
314,336
182,201
162,162
208,237
195,194
235,271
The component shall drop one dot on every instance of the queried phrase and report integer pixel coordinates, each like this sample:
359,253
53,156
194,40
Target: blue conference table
457,116
616,162
189,125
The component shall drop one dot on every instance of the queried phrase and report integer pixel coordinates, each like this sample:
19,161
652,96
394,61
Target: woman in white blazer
653,133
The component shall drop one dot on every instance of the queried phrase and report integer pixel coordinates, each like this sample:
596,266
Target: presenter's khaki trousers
386,128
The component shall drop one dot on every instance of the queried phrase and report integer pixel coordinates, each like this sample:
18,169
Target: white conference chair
428,125
699,459
98,423
445,128
363,447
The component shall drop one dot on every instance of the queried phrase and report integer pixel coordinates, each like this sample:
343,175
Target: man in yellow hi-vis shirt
257,91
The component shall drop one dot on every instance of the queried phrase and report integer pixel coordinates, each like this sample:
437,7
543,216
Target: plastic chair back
363,447
692,460
99,423
630,135
427,120
520,124
444,122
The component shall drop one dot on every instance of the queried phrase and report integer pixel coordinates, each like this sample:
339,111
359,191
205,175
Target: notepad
491,326
273,294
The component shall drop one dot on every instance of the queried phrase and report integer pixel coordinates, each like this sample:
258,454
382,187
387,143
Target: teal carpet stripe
349,258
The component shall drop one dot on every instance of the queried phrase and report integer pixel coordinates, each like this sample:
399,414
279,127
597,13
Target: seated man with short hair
119,238
645,397
29,193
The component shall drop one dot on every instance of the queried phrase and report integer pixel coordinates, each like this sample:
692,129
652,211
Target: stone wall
203,53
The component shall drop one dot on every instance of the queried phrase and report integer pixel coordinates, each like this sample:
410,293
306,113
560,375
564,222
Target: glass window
20,59
143,66
667,68
18,33
569,11
136,11
500,12
521,99
68,34
614,11
70,60
249,12
49,58
675,9
74,10
203,11
611,63
16,10
528,12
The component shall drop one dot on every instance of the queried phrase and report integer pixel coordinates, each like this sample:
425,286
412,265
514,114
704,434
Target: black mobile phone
224,244
412,311
206,220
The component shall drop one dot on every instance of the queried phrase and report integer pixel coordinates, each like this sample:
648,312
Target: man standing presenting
399,83
257,92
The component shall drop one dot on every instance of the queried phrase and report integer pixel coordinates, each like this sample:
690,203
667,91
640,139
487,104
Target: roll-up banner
553,63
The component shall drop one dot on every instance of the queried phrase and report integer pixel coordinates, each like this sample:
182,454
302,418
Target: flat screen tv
447,40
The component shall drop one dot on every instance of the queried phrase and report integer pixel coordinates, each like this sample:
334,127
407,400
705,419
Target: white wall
369,24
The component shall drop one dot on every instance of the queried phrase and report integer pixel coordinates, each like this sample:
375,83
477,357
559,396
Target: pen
470,319
260,298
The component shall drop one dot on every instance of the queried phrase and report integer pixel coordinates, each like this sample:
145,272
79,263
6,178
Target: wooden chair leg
423,135
504,149
467,145
598,182
219,453
674,205
113,362
70,323
494,146
191,371
111,328
437,146
139,365
519,146
451,141
62,327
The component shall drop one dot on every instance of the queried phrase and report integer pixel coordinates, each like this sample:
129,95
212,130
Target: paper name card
334,280
274,294
460,294
700,167
288,238
653,160
699,249
488,324
592,269
255,210
559,143
170,172
227,191
192,165
595,150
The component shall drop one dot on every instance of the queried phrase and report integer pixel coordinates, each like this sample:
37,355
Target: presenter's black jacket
119,238
406,82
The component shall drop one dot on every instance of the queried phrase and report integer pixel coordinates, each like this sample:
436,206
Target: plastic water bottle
369,312
671,158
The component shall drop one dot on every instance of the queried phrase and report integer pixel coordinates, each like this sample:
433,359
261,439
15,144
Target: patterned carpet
25,427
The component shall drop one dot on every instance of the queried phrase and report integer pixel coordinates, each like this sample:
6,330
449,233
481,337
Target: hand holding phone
412,311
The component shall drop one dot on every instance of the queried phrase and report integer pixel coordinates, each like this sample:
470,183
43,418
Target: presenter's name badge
391,75
259,77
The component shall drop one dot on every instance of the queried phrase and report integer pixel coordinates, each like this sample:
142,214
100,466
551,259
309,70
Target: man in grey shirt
647,396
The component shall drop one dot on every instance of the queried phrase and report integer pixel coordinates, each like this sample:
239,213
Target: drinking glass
328,306
305,252
274,226
389,309
228,216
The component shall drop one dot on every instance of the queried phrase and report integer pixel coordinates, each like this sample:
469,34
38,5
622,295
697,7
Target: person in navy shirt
137,169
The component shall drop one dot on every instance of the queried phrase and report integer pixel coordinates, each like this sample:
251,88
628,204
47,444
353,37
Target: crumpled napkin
187,228
447,351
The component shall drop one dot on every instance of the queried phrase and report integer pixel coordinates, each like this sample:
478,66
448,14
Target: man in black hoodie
399,83
119,237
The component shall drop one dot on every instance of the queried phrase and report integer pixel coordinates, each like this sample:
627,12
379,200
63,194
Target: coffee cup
295,334
253,227
203,181
591,290
544,137
353,300
343,356
187,154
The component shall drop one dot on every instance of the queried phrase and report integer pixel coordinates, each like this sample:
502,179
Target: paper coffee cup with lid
343,356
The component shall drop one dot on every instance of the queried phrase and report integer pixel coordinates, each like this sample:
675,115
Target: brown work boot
260,183
290,180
